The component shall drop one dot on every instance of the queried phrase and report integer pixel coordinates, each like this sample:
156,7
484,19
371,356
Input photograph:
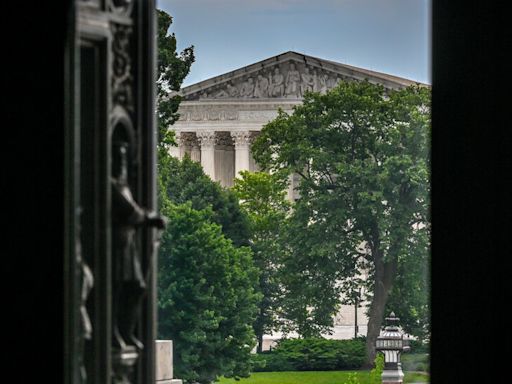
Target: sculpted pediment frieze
286,76
287,80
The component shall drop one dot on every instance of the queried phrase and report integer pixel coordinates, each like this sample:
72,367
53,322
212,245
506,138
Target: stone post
164,363
242,141
391,343
207,142
393,375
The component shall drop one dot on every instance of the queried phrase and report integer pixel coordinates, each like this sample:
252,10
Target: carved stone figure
261,87
333,81
86,285
122,79
316,81
247,89
277,85
292,82
307,82
222,94
322,81
232,90
129,284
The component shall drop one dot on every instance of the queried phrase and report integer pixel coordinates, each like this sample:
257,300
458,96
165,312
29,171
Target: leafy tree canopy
263,198
207,299
363,157
187,182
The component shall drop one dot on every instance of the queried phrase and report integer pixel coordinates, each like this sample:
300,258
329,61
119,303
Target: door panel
110,193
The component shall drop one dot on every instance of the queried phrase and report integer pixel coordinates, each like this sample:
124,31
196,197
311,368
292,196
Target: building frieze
231,112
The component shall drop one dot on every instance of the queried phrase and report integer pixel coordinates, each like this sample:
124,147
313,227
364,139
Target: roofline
269,61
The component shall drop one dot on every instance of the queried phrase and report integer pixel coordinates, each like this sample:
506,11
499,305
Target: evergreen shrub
312,354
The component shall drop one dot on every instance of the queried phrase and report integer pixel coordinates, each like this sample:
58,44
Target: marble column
184,144
224,164
242,140
207,142
195,152
229,166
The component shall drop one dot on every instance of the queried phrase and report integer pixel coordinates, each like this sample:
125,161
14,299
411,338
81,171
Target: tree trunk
384,277
259,347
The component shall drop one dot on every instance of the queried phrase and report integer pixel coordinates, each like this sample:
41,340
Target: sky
390,36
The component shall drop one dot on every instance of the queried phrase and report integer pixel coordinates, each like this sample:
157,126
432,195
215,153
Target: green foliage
315,377
271,362
299,377
207,302
314,354
207,283
187,182
362,154
263,199
353,378
376,372
172,70
206,279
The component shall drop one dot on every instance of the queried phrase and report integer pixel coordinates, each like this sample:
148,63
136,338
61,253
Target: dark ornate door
110,225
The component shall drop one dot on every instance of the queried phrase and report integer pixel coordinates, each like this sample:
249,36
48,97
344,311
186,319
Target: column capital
206,138
241,138
185,139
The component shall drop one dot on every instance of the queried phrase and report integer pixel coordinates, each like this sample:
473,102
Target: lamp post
391,344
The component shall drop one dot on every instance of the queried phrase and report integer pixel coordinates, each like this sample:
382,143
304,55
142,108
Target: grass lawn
314,377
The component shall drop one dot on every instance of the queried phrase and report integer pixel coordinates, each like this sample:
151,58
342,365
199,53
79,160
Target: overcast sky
391,36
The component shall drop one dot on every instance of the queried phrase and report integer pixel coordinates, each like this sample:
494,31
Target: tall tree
207,299
363,157
206,285
263,198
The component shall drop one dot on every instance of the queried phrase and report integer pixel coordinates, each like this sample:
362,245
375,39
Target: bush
376,373
271,362
312,354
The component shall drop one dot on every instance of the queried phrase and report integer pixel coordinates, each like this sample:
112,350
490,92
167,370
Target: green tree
263,198
206,284
207,301
172,69
187,182
363,157
410,297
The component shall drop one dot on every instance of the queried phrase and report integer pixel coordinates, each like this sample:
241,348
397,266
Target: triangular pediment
285,76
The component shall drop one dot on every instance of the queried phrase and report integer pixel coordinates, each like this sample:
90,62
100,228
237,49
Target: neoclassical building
220,117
